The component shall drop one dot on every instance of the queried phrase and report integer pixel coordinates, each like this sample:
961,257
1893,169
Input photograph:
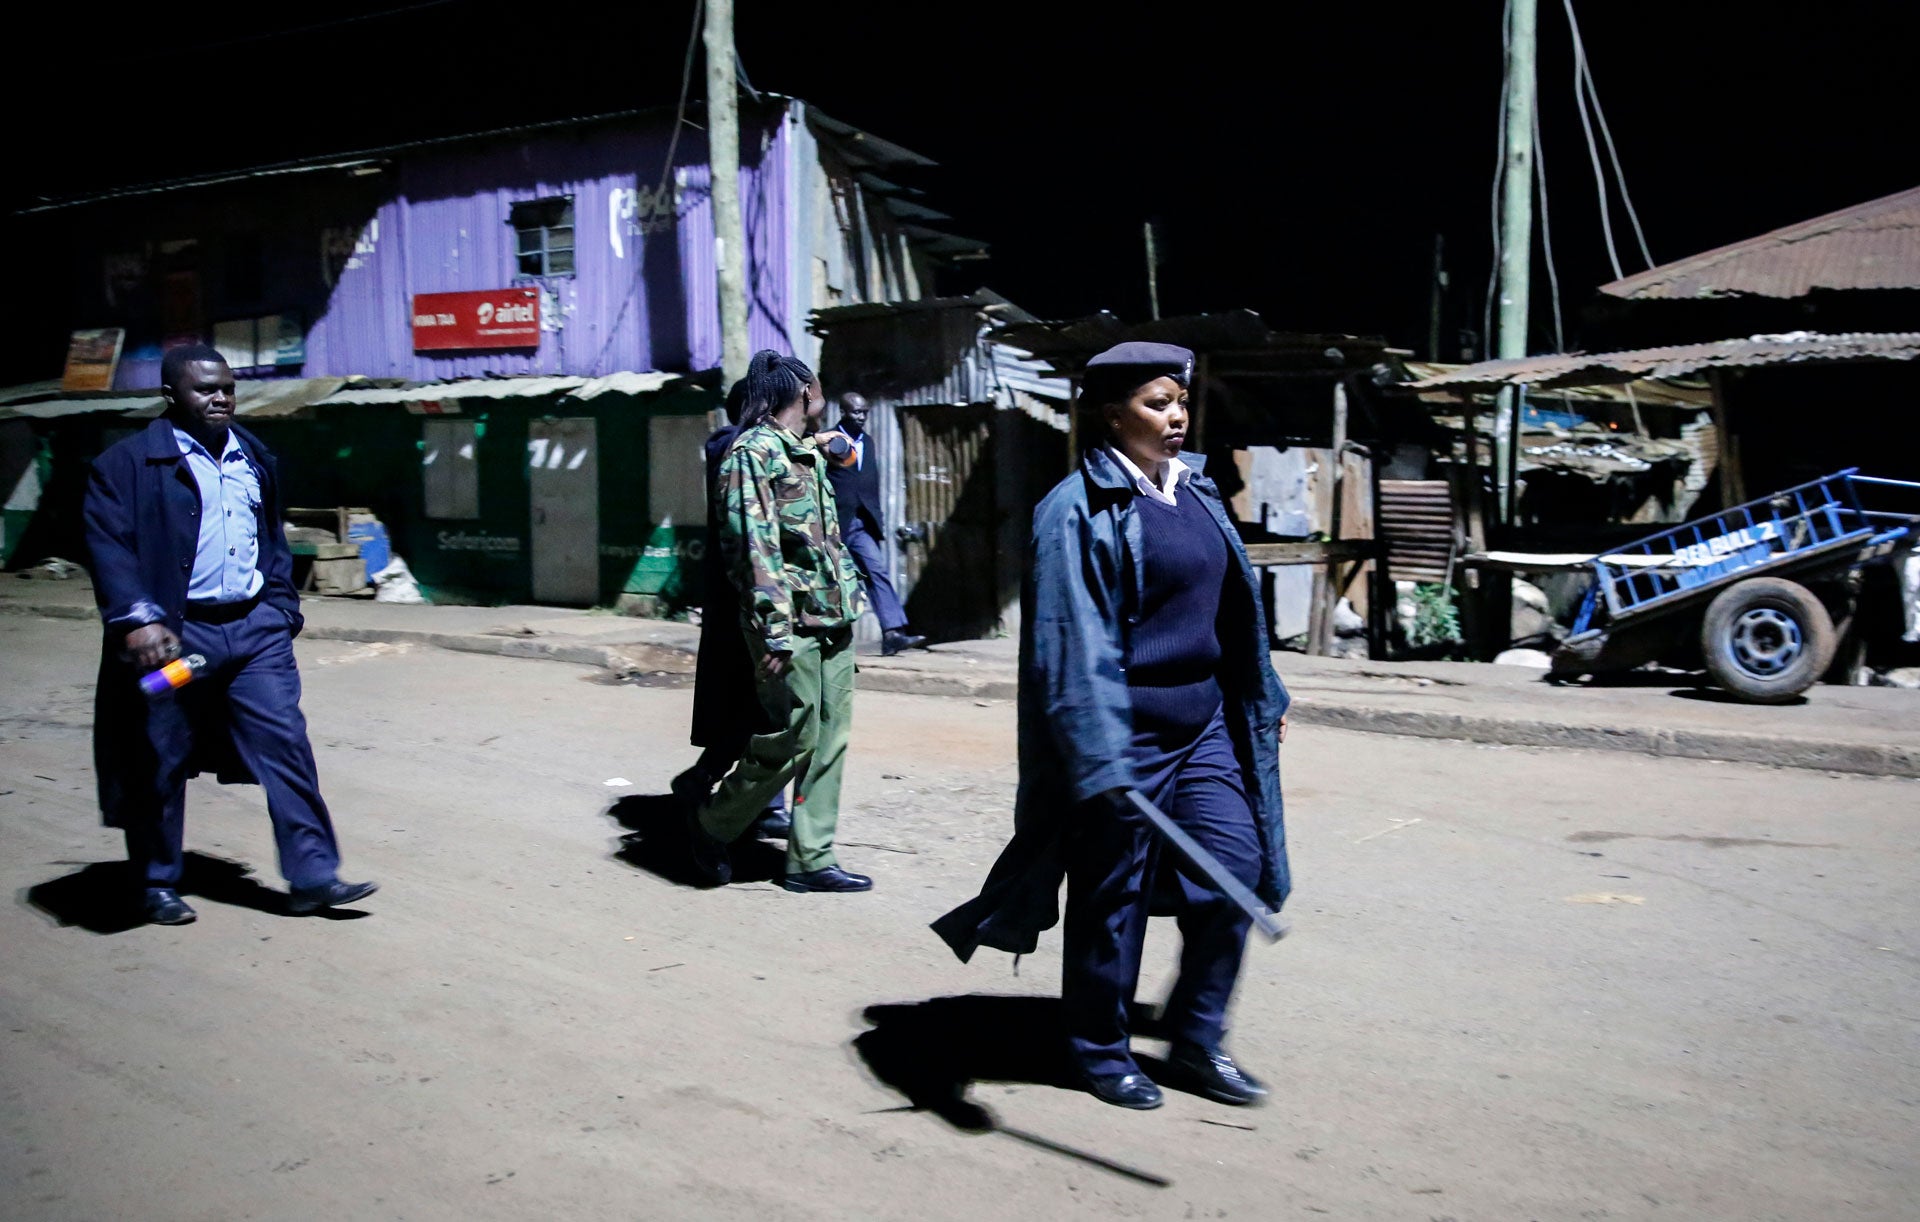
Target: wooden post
1733,480
729,232
1326,583
1506,421
1511,513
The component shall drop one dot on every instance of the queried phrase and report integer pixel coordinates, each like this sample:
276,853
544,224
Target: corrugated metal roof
1581,368
1067,344
623,384
26,392
64,405
1646,392
1874,245
864,146
986,301
264,399
504,388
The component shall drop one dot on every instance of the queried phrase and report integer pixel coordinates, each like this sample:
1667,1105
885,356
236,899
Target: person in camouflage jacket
780,537
799,598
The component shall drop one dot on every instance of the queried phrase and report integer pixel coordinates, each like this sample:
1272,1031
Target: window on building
544,230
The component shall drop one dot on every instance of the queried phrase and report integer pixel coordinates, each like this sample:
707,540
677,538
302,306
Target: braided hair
773,381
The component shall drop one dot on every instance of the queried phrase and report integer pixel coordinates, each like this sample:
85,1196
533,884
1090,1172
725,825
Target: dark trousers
250,682
1116,868
871,559
716,762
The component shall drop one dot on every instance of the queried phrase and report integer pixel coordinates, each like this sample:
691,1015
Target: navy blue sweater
1172,673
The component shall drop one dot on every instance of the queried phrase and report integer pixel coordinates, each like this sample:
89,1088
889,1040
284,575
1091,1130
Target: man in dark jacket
726,707
854,471
190,562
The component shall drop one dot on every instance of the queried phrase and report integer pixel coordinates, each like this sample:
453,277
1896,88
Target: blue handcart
1756,589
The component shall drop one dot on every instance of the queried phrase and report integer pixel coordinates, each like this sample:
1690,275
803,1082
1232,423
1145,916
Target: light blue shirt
226,561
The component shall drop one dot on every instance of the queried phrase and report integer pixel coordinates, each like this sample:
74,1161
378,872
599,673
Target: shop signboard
92,357
494,318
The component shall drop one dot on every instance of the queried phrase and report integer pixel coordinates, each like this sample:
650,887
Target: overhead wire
1585,91
1499,177
1593,150
1546,234
1606,134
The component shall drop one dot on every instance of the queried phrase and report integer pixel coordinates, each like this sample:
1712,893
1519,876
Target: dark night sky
1299,163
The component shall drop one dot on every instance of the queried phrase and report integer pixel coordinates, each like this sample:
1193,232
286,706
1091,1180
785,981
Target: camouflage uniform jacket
780,537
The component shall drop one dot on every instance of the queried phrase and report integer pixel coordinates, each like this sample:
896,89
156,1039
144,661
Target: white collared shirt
1175,470
226,558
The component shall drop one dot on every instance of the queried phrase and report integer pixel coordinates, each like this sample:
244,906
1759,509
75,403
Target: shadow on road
104,897
1714,695
656,841
932,1051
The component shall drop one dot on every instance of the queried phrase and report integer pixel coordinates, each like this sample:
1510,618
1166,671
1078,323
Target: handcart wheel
1767,639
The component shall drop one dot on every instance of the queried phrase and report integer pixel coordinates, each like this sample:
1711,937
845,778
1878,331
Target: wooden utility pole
723,156
1516,237
1326,582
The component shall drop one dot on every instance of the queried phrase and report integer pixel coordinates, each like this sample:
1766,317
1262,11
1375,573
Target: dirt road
1522,984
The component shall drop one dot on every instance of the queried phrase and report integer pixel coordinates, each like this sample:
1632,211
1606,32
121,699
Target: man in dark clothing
853,470
726,705
188,558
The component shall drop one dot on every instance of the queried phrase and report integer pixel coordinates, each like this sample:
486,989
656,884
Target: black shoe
304,901
1210,1072
693,785
165,907
899,640
709,853
833,878
775,824
1135,1090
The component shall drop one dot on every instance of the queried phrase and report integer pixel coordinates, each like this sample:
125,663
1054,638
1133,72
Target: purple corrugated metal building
586,246
314,265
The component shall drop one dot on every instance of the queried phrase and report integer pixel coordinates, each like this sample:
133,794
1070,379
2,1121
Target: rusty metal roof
1586,369
261,399
1875,245
1066,344
1640,392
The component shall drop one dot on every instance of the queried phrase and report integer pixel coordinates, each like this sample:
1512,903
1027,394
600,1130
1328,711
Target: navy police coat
143,524
1083,592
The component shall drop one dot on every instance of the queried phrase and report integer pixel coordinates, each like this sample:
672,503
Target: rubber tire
1790,599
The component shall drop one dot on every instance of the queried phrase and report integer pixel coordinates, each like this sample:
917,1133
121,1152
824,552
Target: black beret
1123,367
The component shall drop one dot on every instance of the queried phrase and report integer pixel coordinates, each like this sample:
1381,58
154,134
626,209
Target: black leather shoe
1134,1090
1210,1072
693,785
709,853
165,907
776,824
303,901
833,878
899,640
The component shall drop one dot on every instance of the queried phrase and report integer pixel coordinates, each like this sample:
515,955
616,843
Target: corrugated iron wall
642,292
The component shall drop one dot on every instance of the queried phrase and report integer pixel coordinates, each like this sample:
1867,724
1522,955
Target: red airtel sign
494,318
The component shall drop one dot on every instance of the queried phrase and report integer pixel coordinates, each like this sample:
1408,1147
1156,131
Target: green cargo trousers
817,695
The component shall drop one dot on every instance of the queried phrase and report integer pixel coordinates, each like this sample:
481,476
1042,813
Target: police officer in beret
1143,666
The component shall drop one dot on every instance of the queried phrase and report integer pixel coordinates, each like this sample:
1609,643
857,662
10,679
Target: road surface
1521,984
